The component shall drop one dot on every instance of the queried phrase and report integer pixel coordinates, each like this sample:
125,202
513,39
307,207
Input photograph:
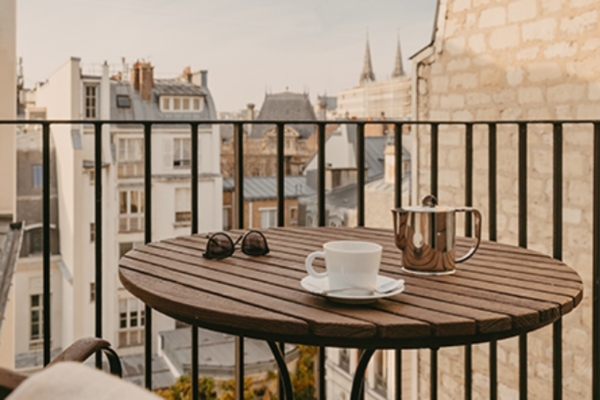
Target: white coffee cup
350,264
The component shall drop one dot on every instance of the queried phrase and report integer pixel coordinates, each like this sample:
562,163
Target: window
182,205
344,360
92,232
130,149
38,179
131,210
36,321
131,322
92,291
176,104
186,103
91,100
196,104
36,241
268,217
182,152
123,101
166,103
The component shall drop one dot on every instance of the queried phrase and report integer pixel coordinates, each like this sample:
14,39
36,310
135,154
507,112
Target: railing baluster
434,158
523,243
148,239
46,235
360,181
322,388
468,233
433,374
321,222
492,184
194,208
239,224
493,201
239,174
280,176
596,268
398,158
98,233
557,195
523,185
239,368
398,375
321,175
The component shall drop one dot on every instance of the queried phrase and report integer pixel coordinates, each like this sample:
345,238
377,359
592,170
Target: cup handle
308,263
474,248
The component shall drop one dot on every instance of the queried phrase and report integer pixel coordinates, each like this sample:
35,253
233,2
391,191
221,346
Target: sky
249,47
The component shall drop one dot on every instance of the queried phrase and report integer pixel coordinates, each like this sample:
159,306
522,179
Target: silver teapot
426,234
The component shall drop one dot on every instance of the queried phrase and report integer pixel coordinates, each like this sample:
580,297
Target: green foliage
303,381
228,390
182,389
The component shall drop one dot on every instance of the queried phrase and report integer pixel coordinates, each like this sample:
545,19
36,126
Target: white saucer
351,296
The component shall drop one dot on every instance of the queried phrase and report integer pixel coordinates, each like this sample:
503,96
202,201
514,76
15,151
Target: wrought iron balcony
431,130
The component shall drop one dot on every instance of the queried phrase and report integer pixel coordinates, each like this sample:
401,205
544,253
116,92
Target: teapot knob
429,201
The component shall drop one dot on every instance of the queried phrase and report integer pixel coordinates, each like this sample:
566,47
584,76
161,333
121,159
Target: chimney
135,76
204,79
250,111
187,74
146,80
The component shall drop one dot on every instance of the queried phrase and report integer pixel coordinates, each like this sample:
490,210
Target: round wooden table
503,291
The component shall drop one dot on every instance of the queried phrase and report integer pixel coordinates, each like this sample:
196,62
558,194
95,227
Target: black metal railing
434,133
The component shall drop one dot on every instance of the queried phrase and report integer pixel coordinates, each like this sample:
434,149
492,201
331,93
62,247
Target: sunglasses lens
219,246
255,244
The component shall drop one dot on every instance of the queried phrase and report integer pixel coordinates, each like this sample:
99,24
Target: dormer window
123,101
180,104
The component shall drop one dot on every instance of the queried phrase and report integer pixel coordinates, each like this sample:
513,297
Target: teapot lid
429,205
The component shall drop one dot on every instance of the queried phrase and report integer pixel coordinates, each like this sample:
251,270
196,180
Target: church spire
398,68
367,74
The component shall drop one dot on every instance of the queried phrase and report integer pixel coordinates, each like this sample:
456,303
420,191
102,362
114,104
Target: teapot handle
474,248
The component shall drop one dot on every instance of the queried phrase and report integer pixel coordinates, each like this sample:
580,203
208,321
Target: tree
182,389
303,381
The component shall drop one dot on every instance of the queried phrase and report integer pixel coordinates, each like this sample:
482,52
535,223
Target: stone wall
516,60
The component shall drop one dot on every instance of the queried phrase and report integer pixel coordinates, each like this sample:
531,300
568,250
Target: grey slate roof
285,107
216,353
133,370
149,110
265,187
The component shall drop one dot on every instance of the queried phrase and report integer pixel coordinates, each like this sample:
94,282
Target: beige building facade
515,60
389,98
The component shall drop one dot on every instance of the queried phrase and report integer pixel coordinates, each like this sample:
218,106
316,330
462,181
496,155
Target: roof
285,106
374,147
176,87
134,367
265,187
149,110
216,353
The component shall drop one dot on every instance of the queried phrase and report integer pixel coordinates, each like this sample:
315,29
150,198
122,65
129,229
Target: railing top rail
295,122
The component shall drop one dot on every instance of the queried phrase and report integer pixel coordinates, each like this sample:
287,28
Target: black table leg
284,374
359,375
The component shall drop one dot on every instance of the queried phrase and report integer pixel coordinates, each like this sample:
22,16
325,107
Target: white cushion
69,380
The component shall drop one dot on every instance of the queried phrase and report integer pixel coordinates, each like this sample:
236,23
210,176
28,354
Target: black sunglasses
220,245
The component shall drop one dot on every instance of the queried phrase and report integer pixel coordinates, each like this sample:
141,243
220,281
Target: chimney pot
204,79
